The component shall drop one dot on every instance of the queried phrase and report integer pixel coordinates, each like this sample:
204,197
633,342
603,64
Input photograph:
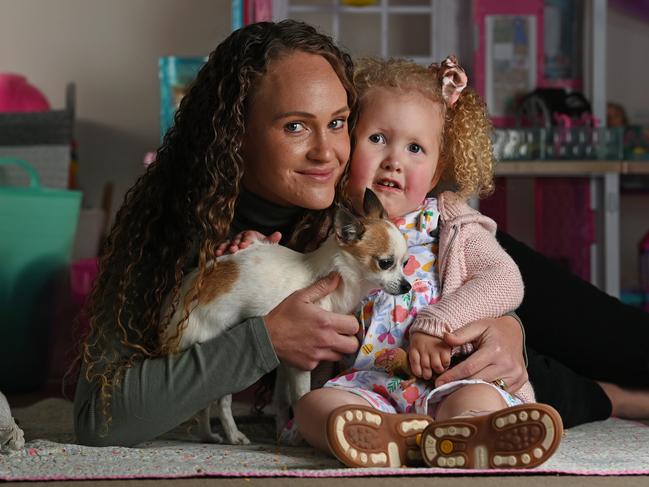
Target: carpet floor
612,447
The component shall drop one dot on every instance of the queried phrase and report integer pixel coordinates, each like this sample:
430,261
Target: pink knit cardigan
478,278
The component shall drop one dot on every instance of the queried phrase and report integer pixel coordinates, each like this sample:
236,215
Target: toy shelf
570,168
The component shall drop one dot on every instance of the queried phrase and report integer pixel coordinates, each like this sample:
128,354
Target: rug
612,447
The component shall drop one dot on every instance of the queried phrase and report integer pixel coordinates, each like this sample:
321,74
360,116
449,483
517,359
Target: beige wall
110,49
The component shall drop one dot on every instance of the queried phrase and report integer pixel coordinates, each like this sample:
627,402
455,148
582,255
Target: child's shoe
361,436
522,436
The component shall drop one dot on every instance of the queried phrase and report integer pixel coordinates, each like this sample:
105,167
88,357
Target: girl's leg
485,435
470,400
475,429
313,409
360,435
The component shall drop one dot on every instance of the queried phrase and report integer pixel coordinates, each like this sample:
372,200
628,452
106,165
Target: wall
110,49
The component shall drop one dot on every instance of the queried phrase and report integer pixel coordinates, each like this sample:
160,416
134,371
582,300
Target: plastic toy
17,95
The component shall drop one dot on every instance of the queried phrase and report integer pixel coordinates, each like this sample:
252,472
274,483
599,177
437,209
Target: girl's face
296,143
398,137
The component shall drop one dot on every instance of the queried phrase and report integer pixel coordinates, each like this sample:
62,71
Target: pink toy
17,95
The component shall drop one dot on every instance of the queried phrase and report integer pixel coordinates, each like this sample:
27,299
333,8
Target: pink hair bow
453,79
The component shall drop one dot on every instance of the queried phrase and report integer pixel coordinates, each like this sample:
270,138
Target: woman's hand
303,334
244,239
498,355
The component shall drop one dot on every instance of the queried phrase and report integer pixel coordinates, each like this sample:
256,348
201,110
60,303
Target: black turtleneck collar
255,213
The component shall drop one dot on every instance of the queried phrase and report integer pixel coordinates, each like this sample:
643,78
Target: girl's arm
158,394
493,287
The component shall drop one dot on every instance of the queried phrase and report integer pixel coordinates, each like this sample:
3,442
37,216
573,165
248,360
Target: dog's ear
347,226
372,205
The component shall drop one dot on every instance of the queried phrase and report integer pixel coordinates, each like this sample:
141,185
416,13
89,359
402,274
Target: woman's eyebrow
307,114
341,110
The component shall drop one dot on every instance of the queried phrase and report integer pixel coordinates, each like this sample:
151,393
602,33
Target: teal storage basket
37,229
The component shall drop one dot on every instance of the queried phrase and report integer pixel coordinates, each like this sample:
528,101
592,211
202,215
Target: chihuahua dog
368,252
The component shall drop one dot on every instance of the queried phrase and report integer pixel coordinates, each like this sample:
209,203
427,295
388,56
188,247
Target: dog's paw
238,438
210,437
17,441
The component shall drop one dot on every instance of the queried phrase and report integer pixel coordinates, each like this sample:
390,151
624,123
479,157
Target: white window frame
442,14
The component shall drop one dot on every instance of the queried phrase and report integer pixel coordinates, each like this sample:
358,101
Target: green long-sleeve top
158,394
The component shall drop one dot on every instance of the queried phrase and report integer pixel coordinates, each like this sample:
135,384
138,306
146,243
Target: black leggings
577,334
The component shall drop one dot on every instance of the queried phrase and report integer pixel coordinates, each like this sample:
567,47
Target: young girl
418,126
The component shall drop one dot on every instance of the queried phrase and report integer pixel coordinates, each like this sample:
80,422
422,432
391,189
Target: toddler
419,129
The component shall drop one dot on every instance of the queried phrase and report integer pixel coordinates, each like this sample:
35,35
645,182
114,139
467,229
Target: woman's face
296,143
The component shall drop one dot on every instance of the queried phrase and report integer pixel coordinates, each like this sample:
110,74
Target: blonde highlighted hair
466,158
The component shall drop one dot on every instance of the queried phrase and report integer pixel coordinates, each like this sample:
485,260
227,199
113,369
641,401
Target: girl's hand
498,355
427,355
244,239
303,334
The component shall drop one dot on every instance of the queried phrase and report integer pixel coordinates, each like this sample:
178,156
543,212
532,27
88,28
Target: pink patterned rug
613,447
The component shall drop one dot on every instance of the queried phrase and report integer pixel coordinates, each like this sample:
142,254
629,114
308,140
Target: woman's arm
158,394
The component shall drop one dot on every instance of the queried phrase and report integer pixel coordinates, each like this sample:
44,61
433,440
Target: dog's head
373,245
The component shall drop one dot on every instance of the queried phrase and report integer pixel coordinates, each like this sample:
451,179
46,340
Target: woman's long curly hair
185,201
466,160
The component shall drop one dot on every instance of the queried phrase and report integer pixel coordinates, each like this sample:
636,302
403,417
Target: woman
261,141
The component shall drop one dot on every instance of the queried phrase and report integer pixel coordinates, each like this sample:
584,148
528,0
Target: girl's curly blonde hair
466,158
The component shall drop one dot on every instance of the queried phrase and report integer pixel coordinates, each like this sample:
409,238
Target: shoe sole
521,436
360,436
